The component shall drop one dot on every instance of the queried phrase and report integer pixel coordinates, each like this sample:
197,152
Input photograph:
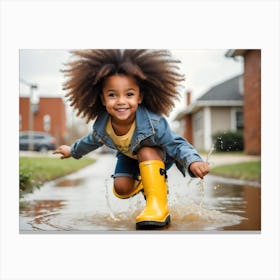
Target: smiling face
121,97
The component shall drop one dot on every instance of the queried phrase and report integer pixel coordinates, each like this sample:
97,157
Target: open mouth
121,110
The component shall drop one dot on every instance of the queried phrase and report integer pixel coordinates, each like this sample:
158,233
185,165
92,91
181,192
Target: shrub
228,141
26,180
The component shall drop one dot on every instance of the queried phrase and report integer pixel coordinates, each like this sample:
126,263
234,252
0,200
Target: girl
126,92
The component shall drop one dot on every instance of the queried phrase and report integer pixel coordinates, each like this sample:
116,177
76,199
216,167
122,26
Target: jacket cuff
74,154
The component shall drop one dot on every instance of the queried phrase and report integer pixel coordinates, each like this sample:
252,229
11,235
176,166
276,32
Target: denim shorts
129,167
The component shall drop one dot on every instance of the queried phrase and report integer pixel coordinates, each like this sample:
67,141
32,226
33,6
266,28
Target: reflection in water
251,208
223,208
41,211
79,204
69,182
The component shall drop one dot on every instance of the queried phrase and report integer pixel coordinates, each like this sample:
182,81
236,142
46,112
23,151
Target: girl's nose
121,99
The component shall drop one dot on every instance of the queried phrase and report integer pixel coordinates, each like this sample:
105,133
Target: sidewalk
214,159
222,159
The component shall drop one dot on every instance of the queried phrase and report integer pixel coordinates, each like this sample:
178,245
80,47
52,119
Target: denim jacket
151,130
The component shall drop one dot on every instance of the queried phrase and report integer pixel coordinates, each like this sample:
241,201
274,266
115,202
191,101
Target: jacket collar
143,122
144,126
99,126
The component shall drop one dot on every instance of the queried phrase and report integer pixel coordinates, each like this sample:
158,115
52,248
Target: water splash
200,185
201,182
216,187
192,216
212,148
187,214
111,213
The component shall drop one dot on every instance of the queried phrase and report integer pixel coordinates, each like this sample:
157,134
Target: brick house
251,98
49,116
202,117
219,109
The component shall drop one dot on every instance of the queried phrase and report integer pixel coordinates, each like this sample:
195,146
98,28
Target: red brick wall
47,106
188,130
24,113
188,133
252,102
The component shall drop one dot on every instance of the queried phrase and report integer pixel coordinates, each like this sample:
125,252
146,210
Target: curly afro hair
155,71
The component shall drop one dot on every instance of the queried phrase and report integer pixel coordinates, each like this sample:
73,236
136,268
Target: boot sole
153,224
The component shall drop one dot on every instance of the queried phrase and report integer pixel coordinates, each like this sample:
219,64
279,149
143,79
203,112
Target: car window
39,137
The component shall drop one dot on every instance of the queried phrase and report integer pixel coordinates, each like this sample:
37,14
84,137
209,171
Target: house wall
252,102
54,107
220,119
210,120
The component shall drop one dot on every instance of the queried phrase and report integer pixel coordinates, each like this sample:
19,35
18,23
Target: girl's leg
126,182
126,175
123,185
149,153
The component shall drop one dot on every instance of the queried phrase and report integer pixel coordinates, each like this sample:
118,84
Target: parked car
41,141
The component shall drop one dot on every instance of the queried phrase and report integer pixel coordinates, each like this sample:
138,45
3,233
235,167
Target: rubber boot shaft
156,212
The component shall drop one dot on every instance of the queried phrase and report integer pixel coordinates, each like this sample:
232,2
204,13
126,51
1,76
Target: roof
228,90
225,94
235,52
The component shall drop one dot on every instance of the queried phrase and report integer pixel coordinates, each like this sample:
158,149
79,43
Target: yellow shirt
123,142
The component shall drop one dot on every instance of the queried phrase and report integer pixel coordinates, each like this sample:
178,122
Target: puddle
83,202
70,183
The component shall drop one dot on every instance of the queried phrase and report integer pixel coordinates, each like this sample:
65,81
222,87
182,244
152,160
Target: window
47,123
239,119
23,137
39,137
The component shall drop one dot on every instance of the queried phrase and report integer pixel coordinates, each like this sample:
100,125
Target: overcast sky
202,68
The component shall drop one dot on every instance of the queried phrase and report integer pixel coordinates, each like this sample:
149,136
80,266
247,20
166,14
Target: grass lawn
34,171
250,171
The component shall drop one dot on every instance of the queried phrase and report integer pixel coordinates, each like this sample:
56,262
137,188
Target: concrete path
221,159
214,159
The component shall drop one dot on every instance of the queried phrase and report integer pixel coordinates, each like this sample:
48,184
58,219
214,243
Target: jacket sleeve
176,146
84,145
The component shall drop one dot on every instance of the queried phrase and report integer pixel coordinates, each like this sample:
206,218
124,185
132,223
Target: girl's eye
130,93
111,94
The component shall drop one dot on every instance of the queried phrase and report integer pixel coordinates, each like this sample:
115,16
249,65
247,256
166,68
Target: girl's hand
64,151
199,169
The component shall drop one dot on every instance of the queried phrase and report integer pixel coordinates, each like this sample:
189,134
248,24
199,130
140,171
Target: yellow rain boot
156,213
138,187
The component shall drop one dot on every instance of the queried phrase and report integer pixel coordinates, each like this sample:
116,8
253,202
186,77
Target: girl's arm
84,145
80,148
181,150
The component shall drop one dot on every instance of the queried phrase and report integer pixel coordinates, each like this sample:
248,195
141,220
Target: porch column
207,128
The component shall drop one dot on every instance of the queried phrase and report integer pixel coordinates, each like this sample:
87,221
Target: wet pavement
83,203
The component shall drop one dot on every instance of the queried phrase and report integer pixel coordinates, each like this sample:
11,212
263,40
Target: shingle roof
228,93
228,90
